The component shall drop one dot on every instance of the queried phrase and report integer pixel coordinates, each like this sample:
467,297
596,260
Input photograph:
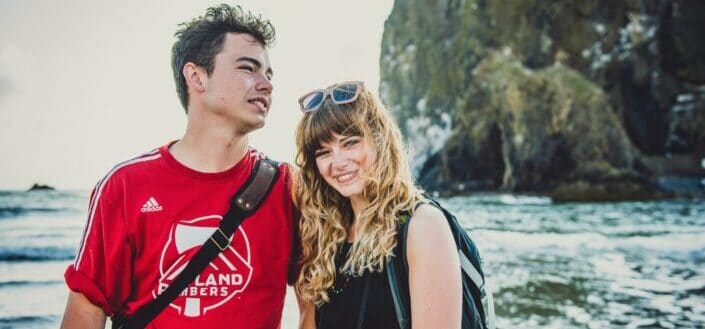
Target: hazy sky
86,84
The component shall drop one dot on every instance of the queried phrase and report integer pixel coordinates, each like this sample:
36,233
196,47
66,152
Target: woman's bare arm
434,271
307,314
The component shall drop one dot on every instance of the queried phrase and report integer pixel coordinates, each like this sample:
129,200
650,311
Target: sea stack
41,187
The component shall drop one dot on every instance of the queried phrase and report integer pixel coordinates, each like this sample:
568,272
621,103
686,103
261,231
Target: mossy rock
526,130
580,82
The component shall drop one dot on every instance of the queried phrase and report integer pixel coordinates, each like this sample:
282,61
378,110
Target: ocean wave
36,254
501,200
23,283
681,242
519,241
18,211
524,200
25,321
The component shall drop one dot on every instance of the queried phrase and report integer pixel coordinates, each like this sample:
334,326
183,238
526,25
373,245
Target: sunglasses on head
340,93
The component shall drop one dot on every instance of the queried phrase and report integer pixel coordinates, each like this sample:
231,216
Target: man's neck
210,149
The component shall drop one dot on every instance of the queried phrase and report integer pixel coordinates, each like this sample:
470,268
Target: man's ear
195,76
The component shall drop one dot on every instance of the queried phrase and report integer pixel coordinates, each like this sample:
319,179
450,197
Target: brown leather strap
258,187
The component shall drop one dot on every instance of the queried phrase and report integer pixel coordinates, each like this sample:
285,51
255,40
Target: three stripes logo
151,205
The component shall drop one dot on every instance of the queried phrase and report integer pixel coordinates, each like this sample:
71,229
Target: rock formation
41,187
576,99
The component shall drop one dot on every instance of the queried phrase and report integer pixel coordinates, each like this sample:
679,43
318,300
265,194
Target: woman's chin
350,191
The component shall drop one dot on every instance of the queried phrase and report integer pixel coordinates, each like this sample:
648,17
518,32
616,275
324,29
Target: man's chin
254,125
260,123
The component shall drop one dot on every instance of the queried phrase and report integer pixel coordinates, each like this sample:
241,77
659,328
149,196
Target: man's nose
265,85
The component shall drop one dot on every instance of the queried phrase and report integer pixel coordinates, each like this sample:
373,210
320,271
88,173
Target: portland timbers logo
226,276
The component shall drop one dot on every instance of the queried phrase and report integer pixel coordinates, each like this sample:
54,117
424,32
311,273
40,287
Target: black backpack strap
474,288
243,204
398,268
400,308
397,276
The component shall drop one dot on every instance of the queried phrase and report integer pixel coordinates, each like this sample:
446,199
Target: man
149,215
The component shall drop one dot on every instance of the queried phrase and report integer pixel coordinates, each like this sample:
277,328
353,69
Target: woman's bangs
330,119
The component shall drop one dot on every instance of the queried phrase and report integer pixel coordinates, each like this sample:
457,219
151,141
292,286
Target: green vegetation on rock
540,96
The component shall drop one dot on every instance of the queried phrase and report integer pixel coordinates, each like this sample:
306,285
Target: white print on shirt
151,205
226,276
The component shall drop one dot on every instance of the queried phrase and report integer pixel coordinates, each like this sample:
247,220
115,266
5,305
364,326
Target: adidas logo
151,205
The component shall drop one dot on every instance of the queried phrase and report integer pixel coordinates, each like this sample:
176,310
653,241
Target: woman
354,189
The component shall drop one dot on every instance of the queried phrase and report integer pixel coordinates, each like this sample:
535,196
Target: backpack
478,306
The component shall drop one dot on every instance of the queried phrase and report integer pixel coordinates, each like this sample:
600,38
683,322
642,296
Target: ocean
566,265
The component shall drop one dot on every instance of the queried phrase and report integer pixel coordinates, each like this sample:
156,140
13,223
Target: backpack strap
403,231
401,310
242,205
398,269
397,275
468,267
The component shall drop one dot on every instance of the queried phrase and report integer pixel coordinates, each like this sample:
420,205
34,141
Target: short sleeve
102,268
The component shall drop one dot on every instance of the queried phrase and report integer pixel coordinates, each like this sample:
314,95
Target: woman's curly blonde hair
327,216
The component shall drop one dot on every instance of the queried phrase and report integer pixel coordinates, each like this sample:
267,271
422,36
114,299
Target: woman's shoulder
427,215
428,225
430,245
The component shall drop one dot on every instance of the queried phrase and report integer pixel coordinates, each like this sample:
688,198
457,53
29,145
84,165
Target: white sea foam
551,242
519,200
682,242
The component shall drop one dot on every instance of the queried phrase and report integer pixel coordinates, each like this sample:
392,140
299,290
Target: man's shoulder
133,167
283,165
137,163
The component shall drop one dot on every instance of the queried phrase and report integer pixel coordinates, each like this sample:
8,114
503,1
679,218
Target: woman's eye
321,153
247,68
351,142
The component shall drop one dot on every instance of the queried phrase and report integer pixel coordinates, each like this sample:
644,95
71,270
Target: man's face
240,88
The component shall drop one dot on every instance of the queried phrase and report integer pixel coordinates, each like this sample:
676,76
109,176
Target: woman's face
344,163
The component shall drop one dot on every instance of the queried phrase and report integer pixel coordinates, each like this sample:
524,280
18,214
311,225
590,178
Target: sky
87,84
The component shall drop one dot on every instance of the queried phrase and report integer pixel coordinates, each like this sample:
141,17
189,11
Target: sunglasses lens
312,101
344,93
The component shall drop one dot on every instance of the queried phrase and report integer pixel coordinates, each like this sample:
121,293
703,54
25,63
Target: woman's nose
338,157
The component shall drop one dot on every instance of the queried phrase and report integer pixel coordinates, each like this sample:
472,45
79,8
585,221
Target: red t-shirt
151,214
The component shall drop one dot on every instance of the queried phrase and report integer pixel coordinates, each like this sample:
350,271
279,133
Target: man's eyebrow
256,63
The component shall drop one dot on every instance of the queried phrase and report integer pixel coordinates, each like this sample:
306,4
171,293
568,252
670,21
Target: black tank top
346,296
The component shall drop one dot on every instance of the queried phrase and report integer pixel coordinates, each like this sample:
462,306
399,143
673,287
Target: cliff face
557,97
